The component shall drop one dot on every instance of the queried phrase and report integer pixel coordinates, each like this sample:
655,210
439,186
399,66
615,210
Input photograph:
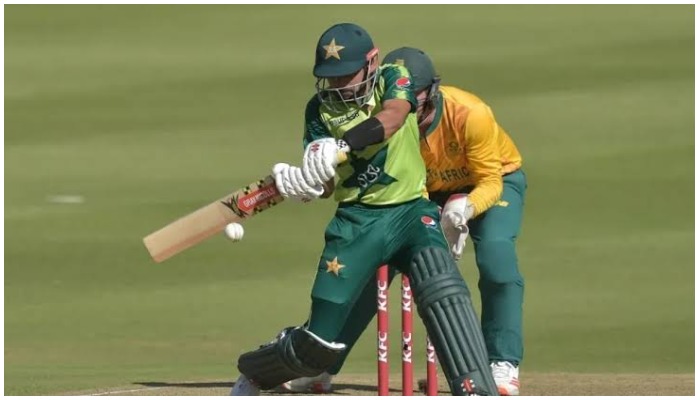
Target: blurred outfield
149,112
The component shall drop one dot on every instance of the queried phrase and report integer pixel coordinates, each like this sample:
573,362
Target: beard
348,94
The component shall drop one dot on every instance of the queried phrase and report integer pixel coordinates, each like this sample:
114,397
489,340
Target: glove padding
291,183
320,160
455,215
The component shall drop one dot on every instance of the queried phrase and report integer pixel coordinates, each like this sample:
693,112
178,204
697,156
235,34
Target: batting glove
291,183
320,160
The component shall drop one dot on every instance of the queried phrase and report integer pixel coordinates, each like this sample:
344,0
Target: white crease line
126,391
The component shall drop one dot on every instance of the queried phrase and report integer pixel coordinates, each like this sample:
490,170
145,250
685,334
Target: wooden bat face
212,219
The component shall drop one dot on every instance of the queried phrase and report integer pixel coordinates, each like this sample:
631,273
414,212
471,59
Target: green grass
152,111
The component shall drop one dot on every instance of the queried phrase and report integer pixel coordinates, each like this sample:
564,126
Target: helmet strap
433,92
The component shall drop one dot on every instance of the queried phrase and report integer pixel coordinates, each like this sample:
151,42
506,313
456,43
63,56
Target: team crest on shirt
427,221
453,148
403,82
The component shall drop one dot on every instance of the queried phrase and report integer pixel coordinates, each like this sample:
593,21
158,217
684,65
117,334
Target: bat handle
342,155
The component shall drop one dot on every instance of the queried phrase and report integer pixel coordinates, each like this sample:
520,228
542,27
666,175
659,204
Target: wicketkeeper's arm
484,159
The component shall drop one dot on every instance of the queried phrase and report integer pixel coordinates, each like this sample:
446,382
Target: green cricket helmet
420,66
342,50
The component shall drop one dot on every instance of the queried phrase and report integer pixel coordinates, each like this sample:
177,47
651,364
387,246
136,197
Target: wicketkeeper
475,173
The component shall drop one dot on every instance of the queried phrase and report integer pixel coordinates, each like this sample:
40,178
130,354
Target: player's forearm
484,159
328,189
380,127
393,117
486,193
485,170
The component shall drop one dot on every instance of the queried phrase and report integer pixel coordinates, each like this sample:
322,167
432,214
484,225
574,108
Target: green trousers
359,239
500,284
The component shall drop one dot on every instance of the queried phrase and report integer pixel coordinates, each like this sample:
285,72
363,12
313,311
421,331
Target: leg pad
443,302
295,353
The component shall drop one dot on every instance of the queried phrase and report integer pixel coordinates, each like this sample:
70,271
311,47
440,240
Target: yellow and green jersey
391,172
466,150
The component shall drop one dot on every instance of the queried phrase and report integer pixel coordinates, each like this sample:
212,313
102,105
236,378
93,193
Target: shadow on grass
186,384
338,388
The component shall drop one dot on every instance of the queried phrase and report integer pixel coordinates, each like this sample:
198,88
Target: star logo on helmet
332,50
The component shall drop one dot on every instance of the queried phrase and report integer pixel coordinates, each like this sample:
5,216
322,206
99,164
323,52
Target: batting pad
442,300
295,353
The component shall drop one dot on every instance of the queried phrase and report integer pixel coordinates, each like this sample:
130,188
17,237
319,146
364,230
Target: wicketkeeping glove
455,215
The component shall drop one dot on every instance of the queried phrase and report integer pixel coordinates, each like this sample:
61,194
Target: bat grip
342,155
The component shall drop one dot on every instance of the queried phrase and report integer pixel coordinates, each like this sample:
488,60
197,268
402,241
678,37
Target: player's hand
291,184
320,160
455,216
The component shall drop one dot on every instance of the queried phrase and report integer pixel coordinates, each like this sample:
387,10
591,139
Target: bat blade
211,219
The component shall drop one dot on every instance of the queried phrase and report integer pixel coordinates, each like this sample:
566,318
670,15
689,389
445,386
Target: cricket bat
211,219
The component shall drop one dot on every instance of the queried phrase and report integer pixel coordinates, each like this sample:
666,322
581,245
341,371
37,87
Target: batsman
474,171
383,217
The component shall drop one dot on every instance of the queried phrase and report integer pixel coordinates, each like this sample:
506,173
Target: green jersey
391,172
